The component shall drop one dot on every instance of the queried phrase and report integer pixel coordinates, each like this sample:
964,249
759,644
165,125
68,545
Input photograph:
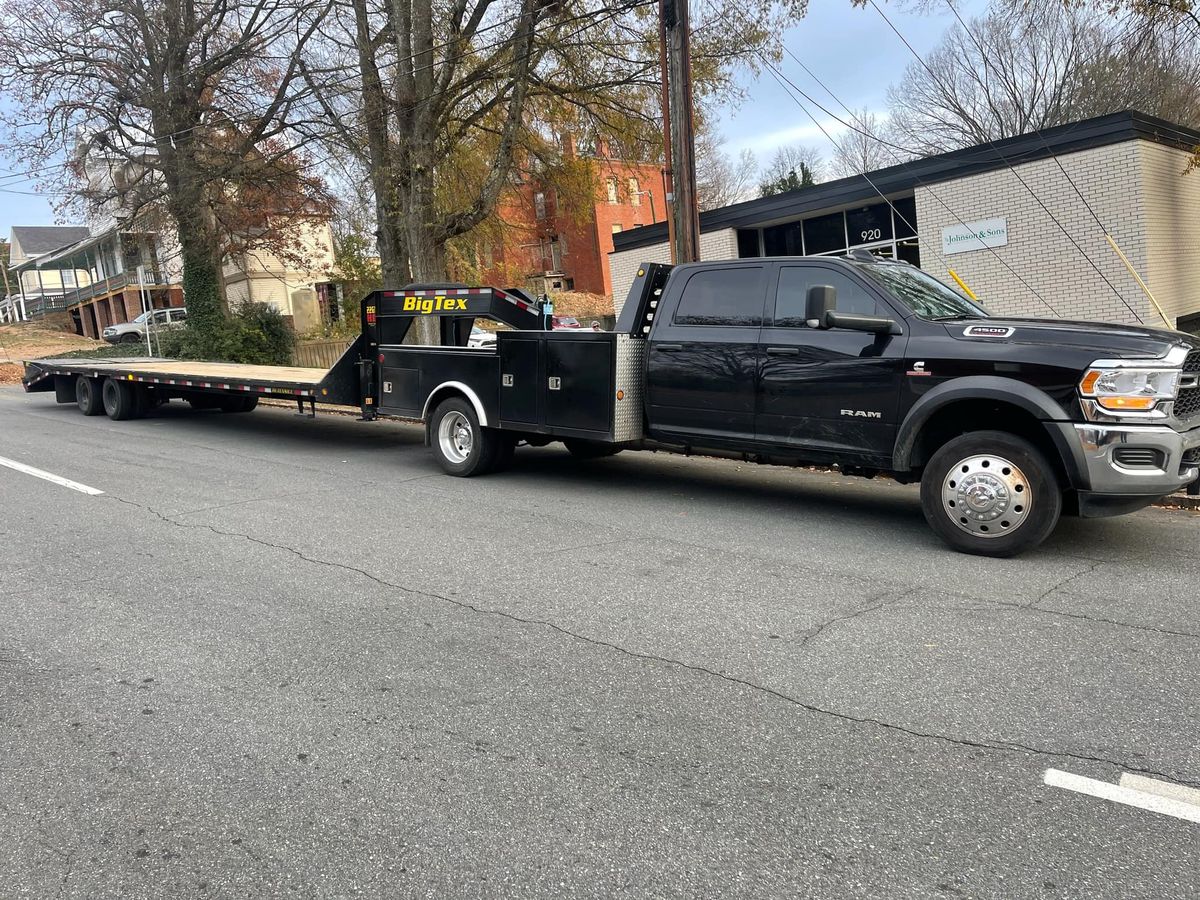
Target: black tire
460,445
120,400
87,396
239,404
991,493
590,449
131,337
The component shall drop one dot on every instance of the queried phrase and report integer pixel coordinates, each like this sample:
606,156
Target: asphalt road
282,657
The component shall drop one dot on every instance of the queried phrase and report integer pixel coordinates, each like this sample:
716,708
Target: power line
906,165
1015,173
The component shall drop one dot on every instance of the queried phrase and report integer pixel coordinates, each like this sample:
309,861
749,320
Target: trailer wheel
990,493
460,444
87,396
591,449
239,404
120,400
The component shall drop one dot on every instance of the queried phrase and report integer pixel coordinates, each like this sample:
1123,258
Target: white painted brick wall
622,265
1111,178
1172,203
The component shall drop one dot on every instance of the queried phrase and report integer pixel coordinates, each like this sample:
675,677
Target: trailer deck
290,380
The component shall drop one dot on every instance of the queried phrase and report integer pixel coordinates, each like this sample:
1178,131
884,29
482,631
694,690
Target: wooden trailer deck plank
198,371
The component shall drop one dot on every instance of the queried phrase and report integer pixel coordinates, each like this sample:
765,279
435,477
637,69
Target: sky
853,51
849,48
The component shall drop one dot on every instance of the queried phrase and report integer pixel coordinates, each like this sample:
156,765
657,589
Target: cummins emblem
862,413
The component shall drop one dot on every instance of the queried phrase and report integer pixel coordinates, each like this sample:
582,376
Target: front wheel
990,493
460,444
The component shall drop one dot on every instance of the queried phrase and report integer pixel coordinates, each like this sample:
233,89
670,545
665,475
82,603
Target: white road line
1120,794
49,476
1162,788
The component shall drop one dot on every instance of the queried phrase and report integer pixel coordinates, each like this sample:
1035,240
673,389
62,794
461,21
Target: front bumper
1107,449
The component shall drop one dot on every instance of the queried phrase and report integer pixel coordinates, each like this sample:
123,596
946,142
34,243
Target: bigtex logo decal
862,413
427,305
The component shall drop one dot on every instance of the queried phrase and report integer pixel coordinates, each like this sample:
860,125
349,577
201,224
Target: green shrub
254,333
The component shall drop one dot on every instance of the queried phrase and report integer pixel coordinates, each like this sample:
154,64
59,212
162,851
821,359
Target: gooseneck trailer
866,364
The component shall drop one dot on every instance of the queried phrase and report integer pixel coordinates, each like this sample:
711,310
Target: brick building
549,248
1007,217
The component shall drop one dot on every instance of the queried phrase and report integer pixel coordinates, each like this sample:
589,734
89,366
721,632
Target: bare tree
1024,66
794,158
721,179
864,146
191,101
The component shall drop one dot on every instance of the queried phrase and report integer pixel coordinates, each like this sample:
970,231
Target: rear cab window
731,297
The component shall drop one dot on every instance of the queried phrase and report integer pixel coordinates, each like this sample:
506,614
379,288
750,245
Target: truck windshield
922,293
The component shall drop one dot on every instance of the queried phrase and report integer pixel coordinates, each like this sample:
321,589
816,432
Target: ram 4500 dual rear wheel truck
866,364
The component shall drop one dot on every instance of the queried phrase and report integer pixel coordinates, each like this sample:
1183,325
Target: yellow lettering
410,303
462,304
427,306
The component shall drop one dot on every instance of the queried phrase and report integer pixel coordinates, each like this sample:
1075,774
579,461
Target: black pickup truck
866,364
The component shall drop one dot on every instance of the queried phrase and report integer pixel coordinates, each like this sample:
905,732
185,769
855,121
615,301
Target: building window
747,242
68,278
618,228
635,196
611,183
539,204
869,224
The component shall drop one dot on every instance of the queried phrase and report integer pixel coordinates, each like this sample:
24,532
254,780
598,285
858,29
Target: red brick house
548,249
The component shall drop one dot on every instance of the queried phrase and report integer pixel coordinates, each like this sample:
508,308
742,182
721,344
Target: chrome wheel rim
986,496
455,437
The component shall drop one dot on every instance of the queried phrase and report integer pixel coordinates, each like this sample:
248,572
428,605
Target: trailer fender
445,389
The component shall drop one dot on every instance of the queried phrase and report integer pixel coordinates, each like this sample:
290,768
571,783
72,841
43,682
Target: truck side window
722,297
791,297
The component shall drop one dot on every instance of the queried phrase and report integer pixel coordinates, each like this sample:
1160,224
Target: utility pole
668,171
684,213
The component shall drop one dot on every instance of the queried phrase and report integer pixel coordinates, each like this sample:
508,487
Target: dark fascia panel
905,177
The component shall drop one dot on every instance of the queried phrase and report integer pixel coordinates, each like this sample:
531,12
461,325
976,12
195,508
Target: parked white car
481,337
135,331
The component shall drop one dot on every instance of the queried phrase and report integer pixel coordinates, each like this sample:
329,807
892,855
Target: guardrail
319,354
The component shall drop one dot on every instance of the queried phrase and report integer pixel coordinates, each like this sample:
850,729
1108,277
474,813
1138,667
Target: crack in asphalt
884,600
991,746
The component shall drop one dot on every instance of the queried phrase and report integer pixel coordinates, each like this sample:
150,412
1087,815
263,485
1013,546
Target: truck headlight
1128,389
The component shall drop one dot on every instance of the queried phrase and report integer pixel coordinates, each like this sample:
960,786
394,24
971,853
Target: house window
539,204
68,278
611,182
635,196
